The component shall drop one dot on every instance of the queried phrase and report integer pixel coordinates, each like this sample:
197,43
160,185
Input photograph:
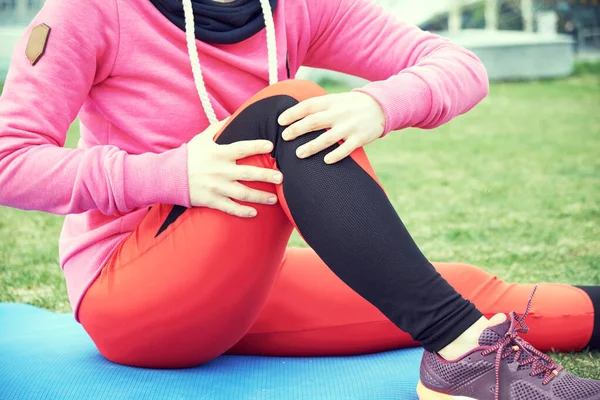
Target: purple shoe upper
505,367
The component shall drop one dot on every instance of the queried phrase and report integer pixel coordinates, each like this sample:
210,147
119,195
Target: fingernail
327,160
281,120
268,146
300,153
272,199
252,213
277,178
285,135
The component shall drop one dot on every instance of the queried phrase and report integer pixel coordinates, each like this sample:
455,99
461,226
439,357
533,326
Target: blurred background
512,186
550,34
516,39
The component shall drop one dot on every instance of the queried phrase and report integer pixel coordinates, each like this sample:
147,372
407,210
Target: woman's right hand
214,176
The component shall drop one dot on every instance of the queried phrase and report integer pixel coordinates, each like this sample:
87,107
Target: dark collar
218,23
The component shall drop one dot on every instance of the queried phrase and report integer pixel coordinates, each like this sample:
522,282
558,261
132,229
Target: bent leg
311,312
345,216
224,267
187,284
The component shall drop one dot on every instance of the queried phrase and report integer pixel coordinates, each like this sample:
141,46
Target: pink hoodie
123,68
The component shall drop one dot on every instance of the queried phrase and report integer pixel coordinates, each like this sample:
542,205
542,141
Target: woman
174,247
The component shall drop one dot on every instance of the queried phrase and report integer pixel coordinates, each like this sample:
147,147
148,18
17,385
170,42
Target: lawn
513,186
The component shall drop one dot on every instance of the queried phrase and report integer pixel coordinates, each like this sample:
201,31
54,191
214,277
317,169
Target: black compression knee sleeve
593,293
346,217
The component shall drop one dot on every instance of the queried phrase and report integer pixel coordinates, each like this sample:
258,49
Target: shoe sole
428,394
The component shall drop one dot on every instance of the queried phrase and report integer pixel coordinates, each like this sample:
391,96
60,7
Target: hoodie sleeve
40,101
419,79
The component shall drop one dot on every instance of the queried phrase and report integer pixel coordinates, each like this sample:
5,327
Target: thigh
561,317
185,295
311,312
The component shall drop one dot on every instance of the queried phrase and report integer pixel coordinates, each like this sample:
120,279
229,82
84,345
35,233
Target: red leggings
211,284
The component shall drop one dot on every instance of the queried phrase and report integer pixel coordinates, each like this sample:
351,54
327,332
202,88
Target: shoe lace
511,344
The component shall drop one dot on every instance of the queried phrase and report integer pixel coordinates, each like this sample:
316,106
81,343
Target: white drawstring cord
271,43
190,38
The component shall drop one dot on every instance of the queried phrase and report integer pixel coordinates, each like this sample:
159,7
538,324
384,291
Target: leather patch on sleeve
36,45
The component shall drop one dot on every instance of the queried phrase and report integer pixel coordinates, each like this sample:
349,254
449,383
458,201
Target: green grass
513,186
587,68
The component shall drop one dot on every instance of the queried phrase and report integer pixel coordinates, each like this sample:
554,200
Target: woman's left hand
354,117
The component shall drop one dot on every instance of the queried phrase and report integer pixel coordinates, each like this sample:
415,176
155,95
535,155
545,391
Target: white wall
20,12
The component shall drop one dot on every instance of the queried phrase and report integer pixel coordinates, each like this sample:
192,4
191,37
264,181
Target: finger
303,109
341,152
313,122
321,143
230,207
251,173
215,128
246,148
238,191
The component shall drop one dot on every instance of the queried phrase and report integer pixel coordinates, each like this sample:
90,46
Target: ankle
466,342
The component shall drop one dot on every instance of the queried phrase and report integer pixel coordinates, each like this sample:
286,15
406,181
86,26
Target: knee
298,89
284,95
257,118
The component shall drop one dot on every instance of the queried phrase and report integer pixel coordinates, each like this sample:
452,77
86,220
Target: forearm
419,79
445,82
65,181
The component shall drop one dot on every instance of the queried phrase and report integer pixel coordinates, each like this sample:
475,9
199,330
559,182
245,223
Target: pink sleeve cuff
405,99
151,178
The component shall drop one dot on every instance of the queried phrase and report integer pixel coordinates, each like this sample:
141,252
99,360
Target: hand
354,117
213,173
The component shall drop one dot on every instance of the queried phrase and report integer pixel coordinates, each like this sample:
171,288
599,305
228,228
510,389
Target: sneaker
503,367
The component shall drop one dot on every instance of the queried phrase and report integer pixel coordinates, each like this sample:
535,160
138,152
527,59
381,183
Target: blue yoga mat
44,355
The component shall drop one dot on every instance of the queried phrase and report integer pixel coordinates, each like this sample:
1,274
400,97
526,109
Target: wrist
157,178
405,99
376,112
